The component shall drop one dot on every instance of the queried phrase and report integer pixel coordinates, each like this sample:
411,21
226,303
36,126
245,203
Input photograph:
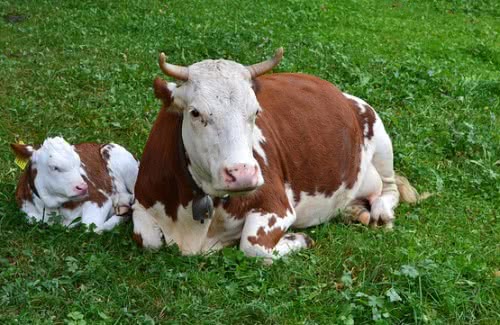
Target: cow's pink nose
241,177
82,188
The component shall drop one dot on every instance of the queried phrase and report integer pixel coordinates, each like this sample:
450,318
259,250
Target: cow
239,155
88,180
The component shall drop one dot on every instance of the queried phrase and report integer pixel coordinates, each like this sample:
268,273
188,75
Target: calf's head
56,171
219,109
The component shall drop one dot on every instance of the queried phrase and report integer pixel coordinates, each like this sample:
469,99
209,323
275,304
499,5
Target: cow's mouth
78,197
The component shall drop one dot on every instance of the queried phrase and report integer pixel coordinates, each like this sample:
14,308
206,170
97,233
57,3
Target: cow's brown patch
105,152
159,179
271,221
312,139
22,150
308,240
95,166
138,239
266,239
71,205
364,118
162,92
23,190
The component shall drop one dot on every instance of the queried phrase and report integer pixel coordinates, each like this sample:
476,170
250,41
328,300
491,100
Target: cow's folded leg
358,210
382,207
147,233
264,235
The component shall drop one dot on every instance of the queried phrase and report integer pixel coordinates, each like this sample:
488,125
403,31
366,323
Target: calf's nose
82,188
240,177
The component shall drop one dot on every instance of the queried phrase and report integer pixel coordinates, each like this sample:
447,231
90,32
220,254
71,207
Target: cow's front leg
264,234
147,233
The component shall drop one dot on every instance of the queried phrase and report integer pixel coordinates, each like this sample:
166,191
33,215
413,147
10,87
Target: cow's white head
56,171
219,109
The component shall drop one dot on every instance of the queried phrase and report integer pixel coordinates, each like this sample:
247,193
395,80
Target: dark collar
203,205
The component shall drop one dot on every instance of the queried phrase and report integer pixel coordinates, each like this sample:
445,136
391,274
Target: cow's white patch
261,229
191,236
146,226
123,169
58,172
361,103
219,109
319,208
258,141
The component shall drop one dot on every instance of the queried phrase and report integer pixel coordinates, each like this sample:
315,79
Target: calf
87,180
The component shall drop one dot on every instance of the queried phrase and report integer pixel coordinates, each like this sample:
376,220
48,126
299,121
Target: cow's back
313,138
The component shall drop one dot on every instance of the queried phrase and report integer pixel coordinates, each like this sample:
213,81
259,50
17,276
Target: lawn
84,70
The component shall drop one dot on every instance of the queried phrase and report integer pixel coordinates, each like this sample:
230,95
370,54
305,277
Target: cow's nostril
229,177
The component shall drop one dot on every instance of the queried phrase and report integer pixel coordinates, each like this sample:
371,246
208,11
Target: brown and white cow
87,180
273,152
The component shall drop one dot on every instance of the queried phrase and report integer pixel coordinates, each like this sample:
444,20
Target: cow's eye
195,113
55,168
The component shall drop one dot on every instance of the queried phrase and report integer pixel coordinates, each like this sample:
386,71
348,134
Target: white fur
123,168
191,236
225,133
257,221
58,171
378,154
258,140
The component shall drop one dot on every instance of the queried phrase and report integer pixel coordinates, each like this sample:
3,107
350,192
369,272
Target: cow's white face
59,173
219,110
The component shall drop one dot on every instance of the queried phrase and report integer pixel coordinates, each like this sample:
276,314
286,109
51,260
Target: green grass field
84,70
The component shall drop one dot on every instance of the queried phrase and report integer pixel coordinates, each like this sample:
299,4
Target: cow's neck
203,205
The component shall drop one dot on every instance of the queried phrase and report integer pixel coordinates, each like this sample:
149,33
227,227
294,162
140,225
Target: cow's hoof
381,214
364,218
123,211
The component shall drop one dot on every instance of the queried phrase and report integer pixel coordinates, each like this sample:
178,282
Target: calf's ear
162,92
23,151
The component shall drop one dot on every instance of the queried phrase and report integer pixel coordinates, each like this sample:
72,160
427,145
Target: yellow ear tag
20,161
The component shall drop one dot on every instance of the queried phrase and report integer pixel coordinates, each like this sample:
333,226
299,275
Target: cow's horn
176,71
265,66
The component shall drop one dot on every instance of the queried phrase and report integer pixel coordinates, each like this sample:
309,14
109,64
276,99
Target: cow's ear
22,150
162,91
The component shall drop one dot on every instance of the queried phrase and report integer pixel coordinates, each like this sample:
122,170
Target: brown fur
138,239
368,117
266,239
23,190
97,171
22,150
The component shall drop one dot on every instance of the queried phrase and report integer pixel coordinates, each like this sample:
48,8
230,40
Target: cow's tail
407,193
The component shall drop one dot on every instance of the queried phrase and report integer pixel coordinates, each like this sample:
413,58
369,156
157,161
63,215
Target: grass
84,70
